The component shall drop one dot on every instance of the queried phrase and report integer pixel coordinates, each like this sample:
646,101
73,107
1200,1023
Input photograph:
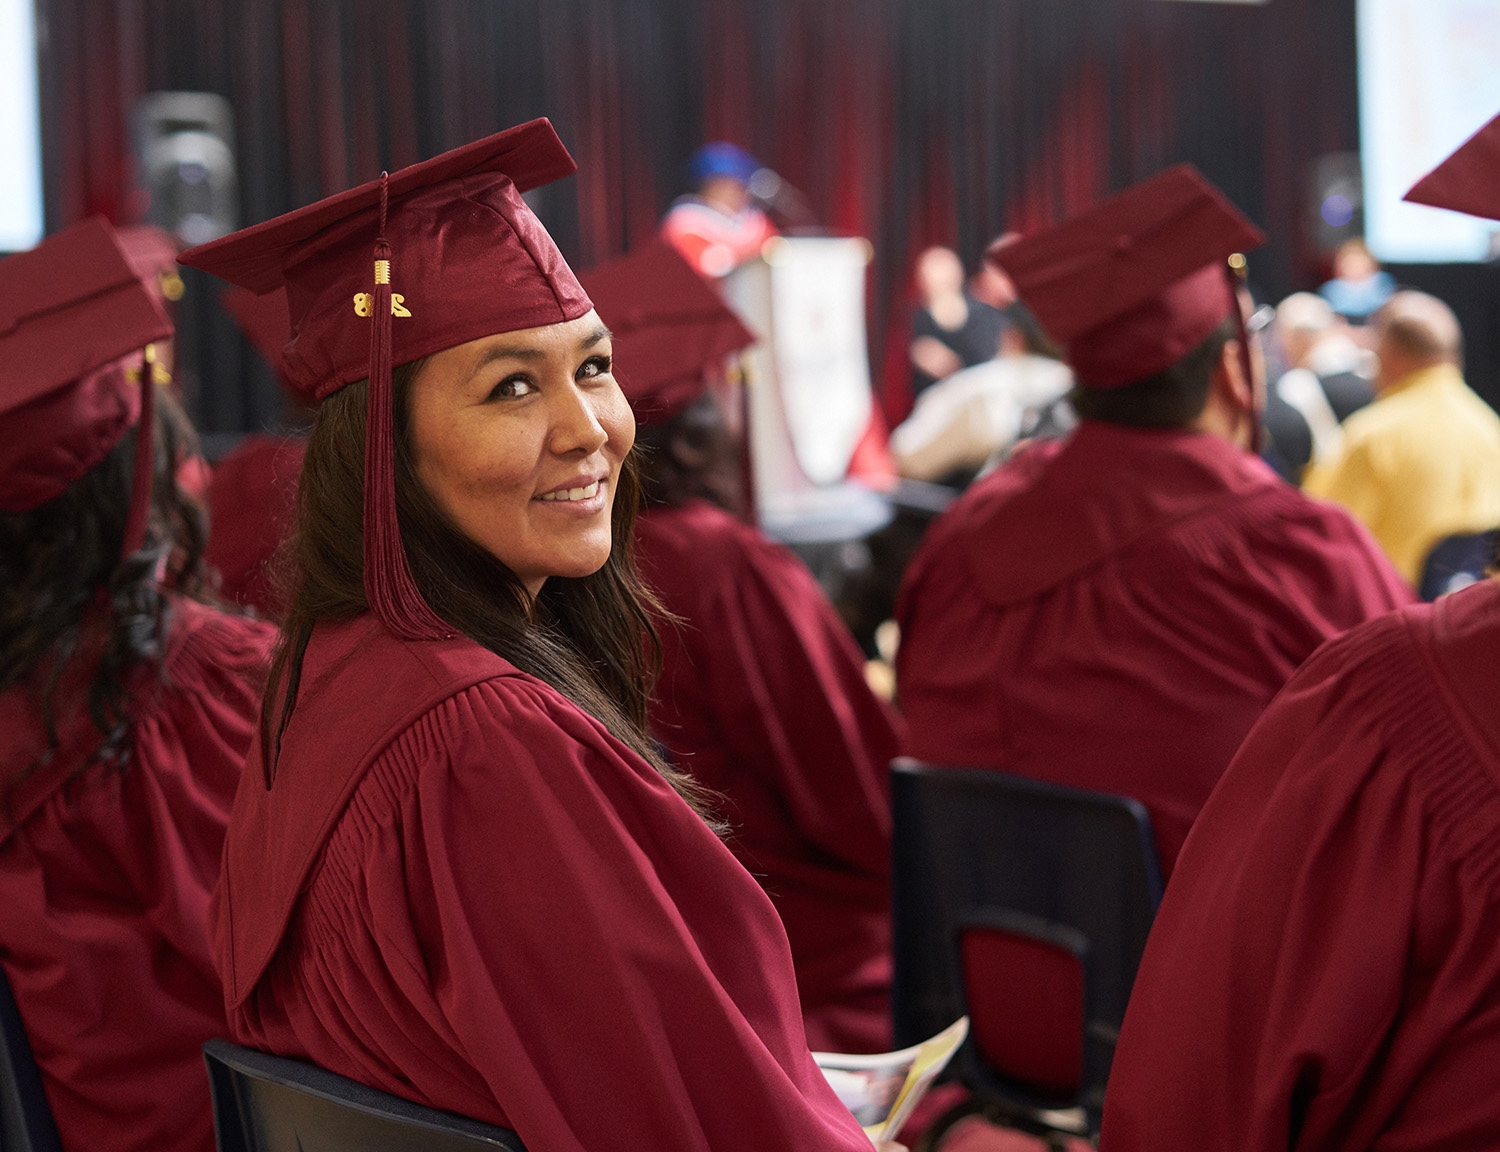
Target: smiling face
519,438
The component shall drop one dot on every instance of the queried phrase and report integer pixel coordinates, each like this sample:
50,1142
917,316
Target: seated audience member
717,227
1359,287
1323,384
253,490
951,330
126,708
458,869
1325,971
1114,610
1423,461
762,695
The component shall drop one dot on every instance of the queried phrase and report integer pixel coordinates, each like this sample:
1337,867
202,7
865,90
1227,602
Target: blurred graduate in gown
1114,610
1324,973
762,695
126,706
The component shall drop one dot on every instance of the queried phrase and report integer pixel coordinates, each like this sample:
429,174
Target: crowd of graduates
478,747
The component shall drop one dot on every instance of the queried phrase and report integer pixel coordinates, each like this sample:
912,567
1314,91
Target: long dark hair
591,638
691,456
66,593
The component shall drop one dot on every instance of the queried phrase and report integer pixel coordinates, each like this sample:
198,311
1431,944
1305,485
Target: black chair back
25,1116
265,1103
1068,877
1456,562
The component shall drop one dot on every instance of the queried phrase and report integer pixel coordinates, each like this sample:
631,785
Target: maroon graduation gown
462,890
763,698
105,884
252,501
1325,970
1113,612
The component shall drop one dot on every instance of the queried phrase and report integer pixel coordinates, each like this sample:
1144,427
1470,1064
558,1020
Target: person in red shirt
1324,973
717,228
458,870
1113,611
126,708
762,695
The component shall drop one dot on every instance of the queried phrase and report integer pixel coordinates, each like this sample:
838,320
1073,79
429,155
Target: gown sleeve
610,971
1325,970
787,688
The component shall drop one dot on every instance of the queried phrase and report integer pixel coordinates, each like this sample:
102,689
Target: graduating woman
457,869
126,707
762,695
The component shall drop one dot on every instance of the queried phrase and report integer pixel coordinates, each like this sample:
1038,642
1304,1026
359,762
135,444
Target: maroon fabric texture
105,887
469,259
1113,612
1467,180
1133,284
71,310
265,322
465,892
252,504
763,698
1325,970
669,325
1025,1002
152,251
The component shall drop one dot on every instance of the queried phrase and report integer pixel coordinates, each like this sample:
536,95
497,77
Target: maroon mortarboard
152,252
1132,285
74,318
668,326
423,259
265,322
1469,180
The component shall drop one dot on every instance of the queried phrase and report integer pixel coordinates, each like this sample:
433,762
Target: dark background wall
908,121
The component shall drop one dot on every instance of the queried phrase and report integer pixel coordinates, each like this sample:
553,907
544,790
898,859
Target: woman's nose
576,426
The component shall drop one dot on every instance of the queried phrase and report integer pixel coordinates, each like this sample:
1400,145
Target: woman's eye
512,387
595,366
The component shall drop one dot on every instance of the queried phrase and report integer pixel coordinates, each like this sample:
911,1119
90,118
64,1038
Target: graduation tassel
145,461
389,587
1236,270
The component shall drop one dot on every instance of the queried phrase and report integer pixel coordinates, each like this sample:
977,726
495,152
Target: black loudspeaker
1337,200
185,147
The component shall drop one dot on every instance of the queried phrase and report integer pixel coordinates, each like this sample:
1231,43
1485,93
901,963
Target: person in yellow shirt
1423,461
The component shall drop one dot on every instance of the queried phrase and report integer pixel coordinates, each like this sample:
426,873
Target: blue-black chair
265,1103
1455,562
25,1116
1027,906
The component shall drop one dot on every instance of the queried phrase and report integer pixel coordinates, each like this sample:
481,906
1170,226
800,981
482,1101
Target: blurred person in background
762,695
1112,611
1326,379
1423,461
1359,287
951,330
717,227
1324,973
127,705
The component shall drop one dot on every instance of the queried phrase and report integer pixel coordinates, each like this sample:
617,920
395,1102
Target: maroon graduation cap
668,324
420,260
152,252
1134,284
74,320
1469,180
264,320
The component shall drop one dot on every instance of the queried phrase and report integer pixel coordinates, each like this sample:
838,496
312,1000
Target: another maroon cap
669,327
74,316
424,259
1137,282
152,252
265,322
1469,180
